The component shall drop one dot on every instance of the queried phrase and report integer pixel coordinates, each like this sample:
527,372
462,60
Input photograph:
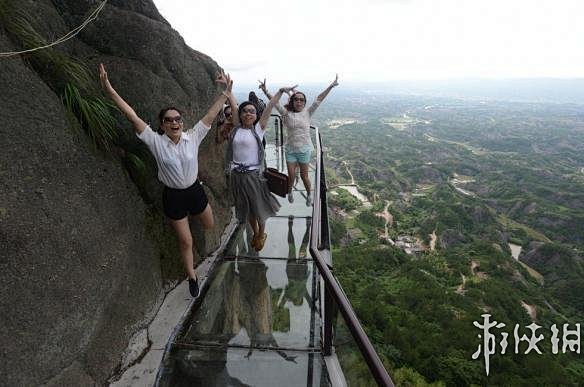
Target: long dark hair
259,104
222,118
290,105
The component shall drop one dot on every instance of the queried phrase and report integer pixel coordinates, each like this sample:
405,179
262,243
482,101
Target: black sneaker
194,287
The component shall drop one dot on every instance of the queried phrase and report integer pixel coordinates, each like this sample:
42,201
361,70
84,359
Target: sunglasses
248,110
170,120
228,115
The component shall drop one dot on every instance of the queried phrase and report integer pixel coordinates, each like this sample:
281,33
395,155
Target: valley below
444,210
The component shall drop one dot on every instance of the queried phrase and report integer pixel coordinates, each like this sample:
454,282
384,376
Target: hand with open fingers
336,81
288,89
262,85
224,79
105,83
229,83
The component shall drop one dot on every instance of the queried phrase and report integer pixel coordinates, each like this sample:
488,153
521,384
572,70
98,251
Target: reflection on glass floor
243,367
258,304
258,314
287,238
258,322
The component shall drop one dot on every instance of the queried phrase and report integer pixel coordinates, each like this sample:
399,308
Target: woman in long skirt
245,162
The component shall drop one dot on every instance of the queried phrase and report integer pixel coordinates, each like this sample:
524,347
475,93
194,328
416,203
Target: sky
309,41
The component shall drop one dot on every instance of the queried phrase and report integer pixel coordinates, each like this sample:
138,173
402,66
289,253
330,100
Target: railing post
277,129
334,298
281,145
330,307
324,241
329,311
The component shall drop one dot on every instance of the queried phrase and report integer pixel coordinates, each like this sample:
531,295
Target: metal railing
279,130
335,299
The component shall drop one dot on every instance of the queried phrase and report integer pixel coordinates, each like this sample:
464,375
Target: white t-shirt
178,164
245,147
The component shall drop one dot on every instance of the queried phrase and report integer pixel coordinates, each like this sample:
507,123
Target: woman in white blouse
176,153
298,145
245,164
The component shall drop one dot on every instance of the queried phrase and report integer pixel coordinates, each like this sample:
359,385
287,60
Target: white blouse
178,165
298,127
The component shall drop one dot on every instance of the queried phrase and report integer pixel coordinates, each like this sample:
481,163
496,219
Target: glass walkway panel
257,325
260,321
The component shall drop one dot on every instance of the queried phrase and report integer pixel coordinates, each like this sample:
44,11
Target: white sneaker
309,200
290,197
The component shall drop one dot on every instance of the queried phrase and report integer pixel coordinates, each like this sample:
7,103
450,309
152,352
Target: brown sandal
259,244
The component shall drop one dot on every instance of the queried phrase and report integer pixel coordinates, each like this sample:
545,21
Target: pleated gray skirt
252,197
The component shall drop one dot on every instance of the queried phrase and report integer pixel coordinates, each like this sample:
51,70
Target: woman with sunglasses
298,144
225,125
245,156
176,153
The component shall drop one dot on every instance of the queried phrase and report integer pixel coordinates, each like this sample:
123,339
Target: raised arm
273,101
217,105
323,95
289,91
234,111
263,88
137,122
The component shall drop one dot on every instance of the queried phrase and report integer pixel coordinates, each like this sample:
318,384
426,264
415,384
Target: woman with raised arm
224,124
245,164
176,153
298,145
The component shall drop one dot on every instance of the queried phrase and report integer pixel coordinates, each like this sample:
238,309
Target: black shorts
178,203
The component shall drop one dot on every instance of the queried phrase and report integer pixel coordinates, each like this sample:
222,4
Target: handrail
334,294
279,129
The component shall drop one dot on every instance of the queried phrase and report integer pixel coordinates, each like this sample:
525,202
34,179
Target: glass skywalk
258,323
261,321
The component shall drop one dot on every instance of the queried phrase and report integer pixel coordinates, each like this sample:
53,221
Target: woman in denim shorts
298,145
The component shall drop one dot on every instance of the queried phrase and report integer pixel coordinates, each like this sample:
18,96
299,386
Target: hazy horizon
536,90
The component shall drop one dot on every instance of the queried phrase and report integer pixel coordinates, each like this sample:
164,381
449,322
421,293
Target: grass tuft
71,79
56,65
94,115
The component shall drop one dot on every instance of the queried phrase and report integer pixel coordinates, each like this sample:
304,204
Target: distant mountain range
546,90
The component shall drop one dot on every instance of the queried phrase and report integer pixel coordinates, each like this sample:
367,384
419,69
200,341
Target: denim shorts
298,157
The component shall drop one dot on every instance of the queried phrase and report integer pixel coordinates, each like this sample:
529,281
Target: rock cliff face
83,255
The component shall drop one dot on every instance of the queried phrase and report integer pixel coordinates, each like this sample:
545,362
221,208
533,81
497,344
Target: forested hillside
454,187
